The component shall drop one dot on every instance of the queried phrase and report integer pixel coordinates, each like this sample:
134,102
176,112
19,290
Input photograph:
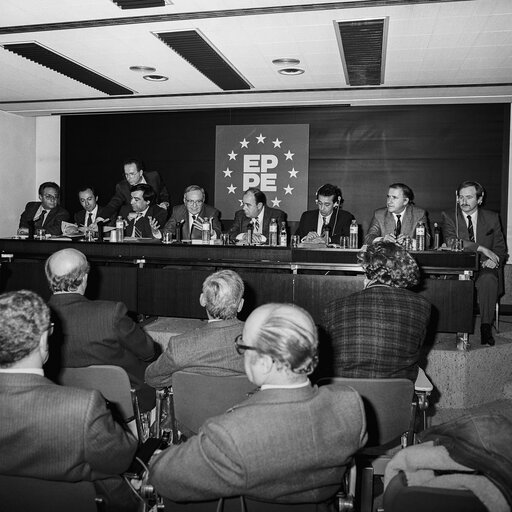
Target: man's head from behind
49,193
67,271
24,317
283,343
193,198
222,295
390,264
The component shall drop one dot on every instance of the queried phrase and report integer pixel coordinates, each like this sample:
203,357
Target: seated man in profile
377,333
256,212
46,213
329,215
96,331
290,442
51,432
189,216
208,349
146,218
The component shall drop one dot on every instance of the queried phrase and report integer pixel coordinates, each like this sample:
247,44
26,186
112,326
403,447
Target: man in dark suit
290,442
92,212
145,218
481,232
208,349
256,212
45,213
378,332
51,432
189,216
96,331
329,215
135,175
399,219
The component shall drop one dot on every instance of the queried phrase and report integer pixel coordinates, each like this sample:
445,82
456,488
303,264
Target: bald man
290,442
94,332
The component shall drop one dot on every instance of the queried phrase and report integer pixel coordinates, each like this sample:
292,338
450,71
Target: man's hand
23,231
132,215
198,223
155,227
493,259
390,237
312,235
256,239
165,205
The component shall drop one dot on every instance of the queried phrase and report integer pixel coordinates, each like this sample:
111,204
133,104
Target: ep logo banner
273,158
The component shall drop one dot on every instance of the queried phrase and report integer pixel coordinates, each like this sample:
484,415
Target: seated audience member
51,432
290,442
189,216
96,331
135,175
92,212
146,218
481,232
399,219
329,214
208,349
46,213
378,332
256,212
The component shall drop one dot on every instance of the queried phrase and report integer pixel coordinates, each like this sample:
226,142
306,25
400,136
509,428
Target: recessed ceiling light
155,78
290,71
143,69
286,62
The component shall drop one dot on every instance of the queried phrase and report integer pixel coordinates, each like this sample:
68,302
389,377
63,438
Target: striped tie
471,231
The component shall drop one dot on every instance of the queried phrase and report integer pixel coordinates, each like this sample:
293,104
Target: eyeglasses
49,197
195,202
240,348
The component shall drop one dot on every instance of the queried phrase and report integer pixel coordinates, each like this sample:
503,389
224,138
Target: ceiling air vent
45,57
362,45
140,4
194,48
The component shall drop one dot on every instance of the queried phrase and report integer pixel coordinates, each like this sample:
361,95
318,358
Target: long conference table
165,280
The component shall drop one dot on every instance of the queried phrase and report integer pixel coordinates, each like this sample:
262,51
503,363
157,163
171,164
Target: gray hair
69,282
193,188
223,291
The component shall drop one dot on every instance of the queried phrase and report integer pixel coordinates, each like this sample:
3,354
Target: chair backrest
387,405
23,494
111,381
199,397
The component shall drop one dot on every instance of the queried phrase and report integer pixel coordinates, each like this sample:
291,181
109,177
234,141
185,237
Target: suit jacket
488,232
80,217
123,196
180,213
377,333
99,332
339,223
159,214
58,433
209,349
383,223
241,222
53,219
283,445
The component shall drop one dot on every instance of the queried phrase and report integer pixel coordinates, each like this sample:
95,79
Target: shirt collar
286,386
34,371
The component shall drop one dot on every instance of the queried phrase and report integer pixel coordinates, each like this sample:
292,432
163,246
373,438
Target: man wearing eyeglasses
134,174
290,442
328,215
189,216
46,213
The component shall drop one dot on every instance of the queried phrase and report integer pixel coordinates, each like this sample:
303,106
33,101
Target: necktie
194,217
471,231
256,225
137,233
40,220
398,227
89,219
324,225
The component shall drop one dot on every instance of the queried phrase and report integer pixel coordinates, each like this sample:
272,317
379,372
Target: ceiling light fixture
291,71
155,78
143,69
286,61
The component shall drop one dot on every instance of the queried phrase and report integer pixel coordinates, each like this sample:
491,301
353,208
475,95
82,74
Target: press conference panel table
165,280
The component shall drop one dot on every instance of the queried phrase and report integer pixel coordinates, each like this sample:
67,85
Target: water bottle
354,235
119,229
420,237
283,236
272,232
250,228
206,233
437,236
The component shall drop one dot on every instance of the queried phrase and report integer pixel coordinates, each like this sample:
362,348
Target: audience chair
390,413
198,397
114,385
23,494
399,497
